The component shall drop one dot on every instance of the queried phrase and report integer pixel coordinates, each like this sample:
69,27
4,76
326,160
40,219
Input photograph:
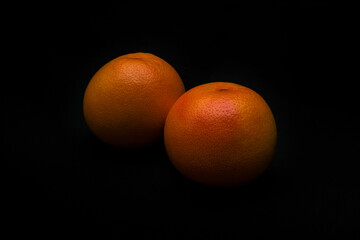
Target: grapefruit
127,100
220,134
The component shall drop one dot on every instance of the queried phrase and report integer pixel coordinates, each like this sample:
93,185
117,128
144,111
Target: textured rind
220,134
127,100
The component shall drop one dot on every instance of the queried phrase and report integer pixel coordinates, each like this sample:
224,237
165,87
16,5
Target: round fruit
127,100
220,134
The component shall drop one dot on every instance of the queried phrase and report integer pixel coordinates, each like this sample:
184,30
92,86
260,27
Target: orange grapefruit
220,134
127,100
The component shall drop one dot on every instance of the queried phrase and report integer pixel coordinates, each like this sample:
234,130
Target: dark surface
60,180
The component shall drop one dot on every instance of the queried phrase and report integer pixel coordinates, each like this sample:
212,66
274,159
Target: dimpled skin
220,134
127,100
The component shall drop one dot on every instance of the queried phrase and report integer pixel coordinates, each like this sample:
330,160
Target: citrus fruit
127,100
220,134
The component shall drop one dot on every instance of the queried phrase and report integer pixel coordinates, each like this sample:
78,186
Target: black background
60,180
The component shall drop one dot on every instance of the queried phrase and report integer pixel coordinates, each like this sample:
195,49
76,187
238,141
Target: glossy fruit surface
220,134
127,100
